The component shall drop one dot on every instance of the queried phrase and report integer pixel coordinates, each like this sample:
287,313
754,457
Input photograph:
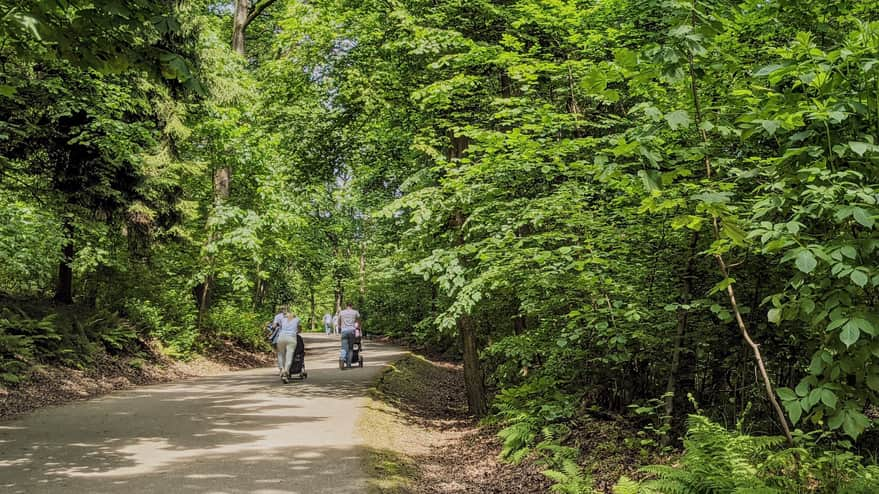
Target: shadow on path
240,432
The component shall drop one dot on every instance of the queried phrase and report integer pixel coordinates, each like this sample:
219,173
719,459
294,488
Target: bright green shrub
180,341
240,325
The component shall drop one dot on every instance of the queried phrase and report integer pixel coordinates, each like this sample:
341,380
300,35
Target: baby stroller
297,365
357,347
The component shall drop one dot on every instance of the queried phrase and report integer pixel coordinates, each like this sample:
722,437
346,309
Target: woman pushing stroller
288,329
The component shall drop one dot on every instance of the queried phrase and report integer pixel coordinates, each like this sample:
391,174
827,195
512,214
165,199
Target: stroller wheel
341,364
304,375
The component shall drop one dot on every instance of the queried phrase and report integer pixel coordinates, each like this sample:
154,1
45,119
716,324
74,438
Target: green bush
180,340
23,342
243,326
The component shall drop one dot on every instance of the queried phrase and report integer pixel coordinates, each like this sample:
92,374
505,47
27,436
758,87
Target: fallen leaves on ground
419,424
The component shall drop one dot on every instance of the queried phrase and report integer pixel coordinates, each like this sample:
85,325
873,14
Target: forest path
239,432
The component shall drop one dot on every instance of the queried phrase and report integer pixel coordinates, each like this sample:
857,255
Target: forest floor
47,385
424,442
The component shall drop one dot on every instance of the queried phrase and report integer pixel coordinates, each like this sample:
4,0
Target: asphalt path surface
239,432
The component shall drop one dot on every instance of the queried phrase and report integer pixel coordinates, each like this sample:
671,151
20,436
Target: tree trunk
362,271
338,294
671,392
239,24
474,381
222,188
312,314
64,288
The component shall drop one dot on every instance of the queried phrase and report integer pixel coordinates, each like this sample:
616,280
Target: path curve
239,432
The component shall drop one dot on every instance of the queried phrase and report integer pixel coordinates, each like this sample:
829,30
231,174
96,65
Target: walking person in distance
328,323
348,319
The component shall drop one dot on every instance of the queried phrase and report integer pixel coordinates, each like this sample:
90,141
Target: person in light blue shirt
328,323
287,342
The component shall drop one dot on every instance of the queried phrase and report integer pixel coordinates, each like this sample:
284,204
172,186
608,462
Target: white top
348,318
328,319
289,327
277,320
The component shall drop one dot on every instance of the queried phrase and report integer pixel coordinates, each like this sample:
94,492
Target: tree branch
257,9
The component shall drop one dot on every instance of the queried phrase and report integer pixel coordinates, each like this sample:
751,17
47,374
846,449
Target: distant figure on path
348,319
287,343
336,323
328,323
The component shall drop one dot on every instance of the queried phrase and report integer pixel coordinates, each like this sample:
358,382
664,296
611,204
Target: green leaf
786,394
802,389
765,71
828,398
650,179
859,148
859,278
794,410
814,397
722,285
854,423
863,217
774,315
626,58
849,251
806,261
807,305
678,119
849,334
873,382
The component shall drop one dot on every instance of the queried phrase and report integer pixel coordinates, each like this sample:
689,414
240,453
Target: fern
719,461
627,486
571,479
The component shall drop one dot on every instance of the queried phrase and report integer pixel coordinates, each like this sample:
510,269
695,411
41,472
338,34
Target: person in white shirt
336,323
276,327
328,323
287,342
348,319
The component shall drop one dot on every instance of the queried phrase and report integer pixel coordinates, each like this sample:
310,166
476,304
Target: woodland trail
239,432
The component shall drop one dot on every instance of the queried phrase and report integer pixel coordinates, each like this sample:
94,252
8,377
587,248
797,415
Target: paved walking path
239,432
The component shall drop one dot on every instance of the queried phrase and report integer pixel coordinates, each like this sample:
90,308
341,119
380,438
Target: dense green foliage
600,205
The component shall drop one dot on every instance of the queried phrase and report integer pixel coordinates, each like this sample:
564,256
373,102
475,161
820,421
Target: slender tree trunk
474,380
755,348
64,287
362,272
222,188
311,299
239,24
671,391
